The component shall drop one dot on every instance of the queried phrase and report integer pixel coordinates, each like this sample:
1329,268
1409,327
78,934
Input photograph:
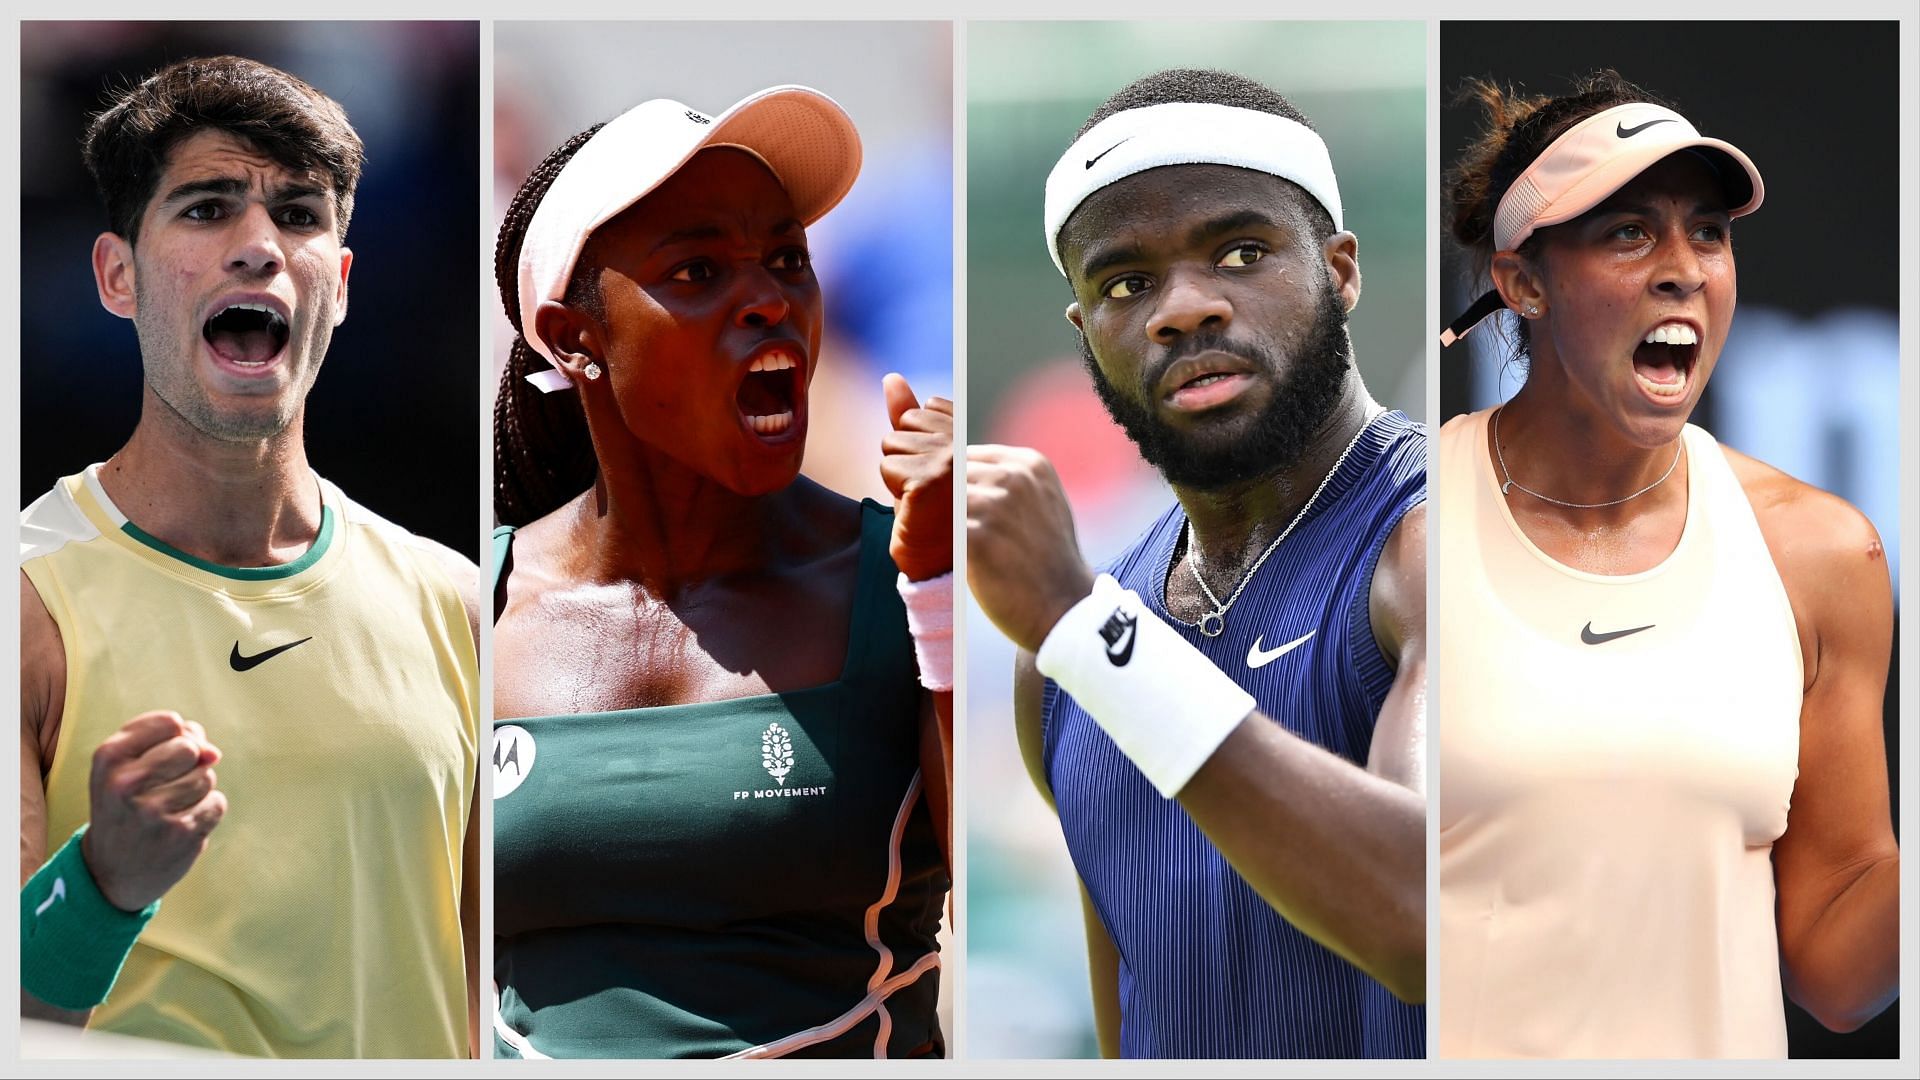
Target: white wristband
1164,704
930,621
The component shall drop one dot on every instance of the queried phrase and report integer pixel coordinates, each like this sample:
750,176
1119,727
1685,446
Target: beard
1280,434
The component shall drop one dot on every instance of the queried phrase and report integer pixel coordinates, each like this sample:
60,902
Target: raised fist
153,804
1023,561
916,461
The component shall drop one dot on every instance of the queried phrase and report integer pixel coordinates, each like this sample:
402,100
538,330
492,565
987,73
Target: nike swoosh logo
1626,132
1587,635
1258,658
248,663
59,893
1105,152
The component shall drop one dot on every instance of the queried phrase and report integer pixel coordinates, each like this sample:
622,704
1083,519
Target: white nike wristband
1164,704
930,621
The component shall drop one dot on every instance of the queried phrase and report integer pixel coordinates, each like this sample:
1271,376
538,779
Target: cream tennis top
1617,754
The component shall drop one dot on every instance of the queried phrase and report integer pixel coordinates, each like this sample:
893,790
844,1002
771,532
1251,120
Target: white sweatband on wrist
1164,704
930,621
1187,133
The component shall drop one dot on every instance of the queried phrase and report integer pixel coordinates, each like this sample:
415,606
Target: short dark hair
1206,87
299,127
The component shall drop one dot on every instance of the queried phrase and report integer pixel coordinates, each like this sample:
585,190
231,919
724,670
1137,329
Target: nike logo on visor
1626,132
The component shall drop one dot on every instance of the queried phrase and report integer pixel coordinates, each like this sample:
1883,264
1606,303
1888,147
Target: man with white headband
203,596
1230,719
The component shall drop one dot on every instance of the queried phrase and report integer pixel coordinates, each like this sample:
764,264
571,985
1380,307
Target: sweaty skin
1660,249
699,533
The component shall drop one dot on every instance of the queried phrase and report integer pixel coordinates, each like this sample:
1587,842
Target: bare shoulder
1397,595
827,522
1810,532
1832,564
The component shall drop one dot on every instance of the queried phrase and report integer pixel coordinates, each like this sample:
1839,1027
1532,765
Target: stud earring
1532,312
593,370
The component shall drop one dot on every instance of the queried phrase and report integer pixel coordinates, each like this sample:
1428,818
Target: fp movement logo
777,757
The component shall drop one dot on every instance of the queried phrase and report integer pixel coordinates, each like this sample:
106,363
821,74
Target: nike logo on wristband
1119,633
59,893
1259,658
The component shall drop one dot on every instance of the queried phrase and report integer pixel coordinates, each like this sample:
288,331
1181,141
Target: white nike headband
802,135
1589,162
1186,133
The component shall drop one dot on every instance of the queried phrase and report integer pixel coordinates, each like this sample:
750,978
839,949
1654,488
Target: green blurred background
1029,88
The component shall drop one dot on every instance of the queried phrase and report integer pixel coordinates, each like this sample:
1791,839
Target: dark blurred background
1029,88
1809,379
393,418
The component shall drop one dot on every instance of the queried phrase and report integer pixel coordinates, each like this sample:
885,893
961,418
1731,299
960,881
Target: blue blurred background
1029,88
397,399
1809,378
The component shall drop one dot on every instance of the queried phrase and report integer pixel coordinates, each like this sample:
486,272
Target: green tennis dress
748,878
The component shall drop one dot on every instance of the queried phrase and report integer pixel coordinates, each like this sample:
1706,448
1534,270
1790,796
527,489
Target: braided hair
542,454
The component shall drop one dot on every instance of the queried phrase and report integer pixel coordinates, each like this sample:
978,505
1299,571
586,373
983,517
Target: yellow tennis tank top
323,919
1617,755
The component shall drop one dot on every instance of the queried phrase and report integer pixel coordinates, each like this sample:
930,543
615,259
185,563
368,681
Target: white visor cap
802,135
1602,154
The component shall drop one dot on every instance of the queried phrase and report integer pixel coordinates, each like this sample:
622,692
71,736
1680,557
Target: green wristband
73,941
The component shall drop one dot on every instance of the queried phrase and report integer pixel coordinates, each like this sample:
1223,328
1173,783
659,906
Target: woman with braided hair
1663,662
720,756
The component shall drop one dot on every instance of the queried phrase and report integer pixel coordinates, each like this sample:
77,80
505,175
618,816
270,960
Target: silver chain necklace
1214,623
1512,483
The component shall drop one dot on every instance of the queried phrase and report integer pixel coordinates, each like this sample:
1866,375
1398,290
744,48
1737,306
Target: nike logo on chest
1588,635
248,663
1259,658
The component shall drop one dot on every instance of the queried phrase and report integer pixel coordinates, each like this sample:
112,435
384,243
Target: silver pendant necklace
1511,483
1214,623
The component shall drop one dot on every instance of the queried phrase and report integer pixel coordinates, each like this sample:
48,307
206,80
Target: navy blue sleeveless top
1207,968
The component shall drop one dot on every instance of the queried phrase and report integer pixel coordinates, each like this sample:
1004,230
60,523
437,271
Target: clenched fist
916,462
153,804
1023,561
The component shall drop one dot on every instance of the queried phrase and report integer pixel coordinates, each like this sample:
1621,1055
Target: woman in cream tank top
1661,662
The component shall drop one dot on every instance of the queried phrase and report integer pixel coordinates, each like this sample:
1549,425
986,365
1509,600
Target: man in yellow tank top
204,597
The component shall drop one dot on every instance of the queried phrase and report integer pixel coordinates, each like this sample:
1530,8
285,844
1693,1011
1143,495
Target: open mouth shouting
772,394
247,336
1663,362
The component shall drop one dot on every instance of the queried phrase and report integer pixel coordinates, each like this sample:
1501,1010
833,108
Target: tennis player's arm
1103,959
1837,867
936,765
1340,851
43,680
1103,975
